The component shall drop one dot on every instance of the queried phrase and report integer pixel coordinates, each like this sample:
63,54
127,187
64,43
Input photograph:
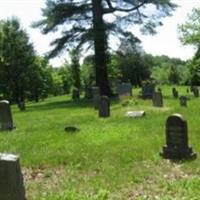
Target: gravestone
11,178
195,91
88,93
135,114
96,96
174,93
104,107
147,90
22,106
176,147
157,99
6,121
75,94
187,90
191,88
124,89
183,101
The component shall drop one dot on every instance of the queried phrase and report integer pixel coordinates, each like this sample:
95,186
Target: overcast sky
164,43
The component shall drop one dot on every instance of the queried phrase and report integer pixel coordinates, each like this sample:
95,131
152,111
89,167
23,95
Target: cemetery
99,100
109,157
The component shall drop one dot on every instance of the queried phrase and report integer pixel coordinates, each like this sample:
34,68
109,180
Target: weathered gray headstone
147,90
96,96
75,94
88,93
174,93
6,121
183,101
195,91
104,107
11,178
21,105
124,89
177,139
157,99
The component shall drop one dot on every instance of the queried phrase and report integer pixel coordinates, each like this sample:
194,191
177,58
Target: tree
75,69
131,61
16,58
84,21
189,33
166,70
40,79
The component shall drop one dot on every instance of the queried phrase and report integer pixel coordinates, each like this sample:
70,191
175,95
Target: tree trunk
100,46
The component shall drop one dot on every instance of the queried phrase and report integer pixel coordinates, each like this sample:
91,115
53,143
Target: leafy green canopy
75,20
16,56
190,30
189,34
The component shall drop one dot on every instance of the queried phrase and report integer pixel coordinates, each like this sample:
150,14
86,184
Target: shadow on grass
81,103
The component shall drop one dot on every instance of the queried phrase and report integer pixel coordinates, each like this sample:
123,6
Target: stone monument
183,101
157,99
147,90
75,94
176,147
195,91
96,96
6,121
11,179
104,107
124,89
174,93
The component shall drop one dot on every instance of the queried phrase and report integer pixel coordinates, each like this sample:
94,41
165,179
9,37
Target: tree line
25,75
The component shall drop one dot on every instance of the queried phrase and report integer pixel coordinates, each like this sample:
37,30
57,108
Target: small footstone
71,129
135,114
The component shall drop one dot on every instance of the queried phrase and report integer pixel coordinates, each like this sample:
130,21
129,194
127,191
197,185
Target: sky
165,42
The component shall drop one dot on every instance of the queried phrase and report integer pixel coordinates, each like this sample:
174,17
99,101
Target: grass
114,158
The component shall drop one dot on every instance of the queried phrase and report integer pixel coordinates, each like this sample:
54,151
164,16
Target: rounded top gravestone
177,139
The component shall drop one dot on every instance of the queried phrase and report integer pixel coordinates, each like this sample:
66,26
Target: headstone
174,93
124,89
88,93
183,101
176,147
96,96
187,90
11,178
104,106
21,105
157,99
75,94
191,88
135,114
195,91
147,90
6,121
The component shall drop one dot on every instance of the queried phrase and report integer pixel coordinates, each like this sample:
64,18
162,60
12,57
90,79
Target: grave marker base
177,154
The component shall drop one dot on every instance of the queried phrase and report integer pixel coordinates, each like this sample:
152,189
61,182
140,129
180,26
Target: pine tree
86,22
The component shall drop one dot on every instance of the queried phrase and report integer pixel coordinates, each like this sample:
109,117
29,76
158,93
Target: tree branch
112,9
109,4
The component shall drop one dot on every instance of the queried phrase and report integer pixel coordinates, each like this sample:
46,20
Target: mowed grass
112,158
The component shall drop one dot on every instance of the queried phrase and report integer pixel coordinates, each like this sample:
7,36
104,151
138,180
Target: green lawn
113,158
